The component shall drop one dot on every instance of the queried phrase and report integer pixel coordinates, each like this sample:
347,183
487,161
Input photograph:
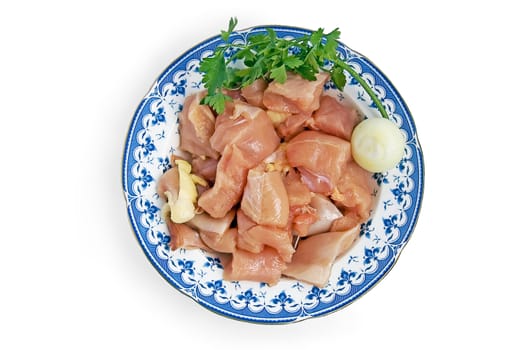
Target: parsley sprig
267,56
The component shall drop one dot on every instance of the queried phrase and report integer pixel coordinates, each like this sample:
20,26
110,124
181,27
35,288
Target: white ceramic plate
153,137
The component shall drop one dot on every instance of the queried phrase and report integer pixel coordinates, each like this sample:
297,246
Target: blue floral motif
315,296
230,51
298,286
316,293
164,163
162,238
366,228
391,224
329,85
346,277
147,145
159,117
360,95
402,193
247,299
387,204
283,299
148,210
154,136
212,263
186,266
353,259
294,50
380,179
217,287
158,114
372,257
161,135
163,250
177,88
145,178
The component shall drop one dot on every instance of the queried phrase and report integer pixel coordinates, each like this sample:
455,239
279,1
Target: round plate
153,137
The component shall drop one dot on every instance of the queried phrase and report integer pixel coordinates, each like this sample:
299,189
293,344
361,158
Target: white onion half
377,144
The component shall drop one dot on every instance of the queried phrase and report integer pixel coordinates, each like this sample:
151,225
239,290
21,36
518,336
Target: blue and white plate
153,136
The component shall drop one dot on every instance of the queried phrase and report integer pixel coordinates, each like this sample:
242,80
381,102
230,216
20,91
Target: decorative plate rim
346,299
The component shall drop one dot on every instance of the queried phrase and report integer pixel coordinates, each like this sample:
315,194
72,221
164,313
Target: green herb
269,57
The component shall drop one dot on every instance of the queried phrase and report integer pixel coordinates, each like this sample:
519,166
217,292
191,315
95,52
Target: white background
72,273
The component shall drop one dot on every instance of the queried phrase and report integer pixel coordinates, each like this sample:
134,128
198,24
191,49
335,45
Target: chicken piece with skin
298,193
334,118
197,125
258,237
230,180
222,243
250,129
253,93
265,266
301,214
253,237
295,95
265,199
182,236
216,232
320,158
292,125
315,255
354,193
327,213
205,168
168,182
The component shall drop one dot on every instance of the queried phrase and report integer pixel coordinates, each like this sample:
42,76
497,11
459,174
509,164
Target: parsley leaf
216,101
231,25
279,74
216,73
292,62
338,77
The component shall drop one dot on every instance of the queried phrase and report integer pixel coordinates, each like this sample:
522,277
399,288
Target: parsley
269,57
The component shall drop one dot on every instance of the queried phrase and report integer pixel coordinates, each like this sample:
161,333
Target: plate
153,136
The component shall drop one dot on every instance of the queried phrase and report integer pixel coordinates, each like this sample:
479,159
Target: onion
377,144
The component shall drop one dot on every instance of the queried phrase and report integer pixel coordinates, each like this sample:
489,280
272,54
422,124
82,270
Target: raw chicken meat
231,177
265,266
265,198
253,237
250,129
197,124
315,255
168,182
296,95
253,93
320,158
334,118
292,125
205,168
355,189
223,243
298,193
182,236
